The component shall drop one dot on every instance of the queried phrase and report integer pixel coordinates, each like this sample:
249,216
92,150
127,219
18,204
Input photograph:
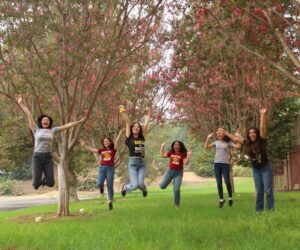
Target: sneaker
110,205
221,203
145,192
123,190
230,203
101,190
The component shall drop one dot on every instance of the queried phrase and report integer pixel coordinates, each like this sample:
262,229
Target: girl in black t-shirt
256,149
135,141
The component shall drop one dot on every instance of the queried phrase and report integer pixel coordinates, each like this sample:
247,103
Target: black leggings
222,168
42,163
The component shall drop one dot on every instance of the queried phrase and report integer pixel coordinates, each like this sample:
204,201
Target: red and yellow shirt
176,160
107,156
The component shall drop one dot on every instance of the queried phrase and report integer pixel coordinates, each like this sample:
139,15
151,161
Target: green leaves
280,131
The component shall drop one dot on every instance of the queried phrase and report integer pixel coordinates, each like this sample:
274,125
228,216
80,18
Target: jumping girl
223,146
106,169
43,133
179,156
135,141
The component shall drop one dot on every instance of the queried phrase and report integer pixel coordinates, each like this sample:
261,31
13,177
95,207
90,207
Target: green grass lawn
154,223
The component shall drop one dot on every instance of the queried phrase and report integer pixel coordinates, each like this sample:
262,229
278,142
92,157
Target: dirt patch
48,217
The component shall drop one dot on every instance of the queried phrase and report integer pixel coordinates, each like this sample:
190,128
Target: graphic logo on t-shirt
139,147
175,159
106,156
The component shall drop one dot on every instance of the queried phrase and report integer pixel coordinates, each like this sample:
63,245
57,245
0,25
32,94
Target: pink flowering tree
62,55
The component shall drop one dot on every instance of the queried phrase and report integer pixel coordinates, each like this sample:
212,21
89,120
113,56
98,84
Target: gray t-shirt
43,138
222,151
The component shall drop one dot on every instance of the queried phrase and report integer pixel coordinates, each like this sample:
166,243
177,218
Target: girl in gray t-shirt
43,133
223,147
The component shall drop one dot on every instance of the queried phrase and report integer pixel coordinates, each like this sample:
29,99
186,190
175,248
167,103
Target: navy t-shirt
136,146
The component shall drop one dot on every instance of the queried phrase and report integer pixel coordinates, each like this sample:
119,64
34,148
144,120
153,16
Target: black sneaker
101,190
230,203
221,203
145,192
123,191
110,205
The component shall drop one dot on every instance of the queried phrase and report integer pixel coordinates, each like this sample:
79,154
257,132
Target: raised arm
118,139
70,125
187,159
90,149
125,118
163,153
145,128
207,144
263,123
234,138
24,108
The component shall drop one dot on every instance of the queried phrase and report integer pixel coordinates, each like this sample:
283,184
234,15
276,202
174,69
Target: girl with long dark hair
256,149
43,133
179,156
106,169
223,147
135,141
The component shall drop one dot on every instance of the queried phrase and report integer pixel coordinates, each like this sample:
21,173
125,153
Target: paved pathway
17,202
12,203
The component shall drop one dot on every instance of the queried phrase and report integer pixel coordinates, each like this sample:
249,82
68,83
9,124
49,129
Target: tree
269,30
214,82
62,54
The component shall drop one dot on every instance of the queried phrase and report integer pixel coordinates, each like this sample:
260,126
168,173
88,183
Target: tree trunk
63,187
73,186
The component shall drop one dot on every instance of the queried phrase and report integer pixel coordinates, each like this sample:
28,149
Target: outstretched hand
263,111
189,153
163,145
210,135
19,99
82,119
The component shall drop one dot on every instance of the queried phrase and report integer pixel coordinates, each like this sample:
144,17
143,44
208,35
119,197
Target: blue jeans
136,170
176,175
222,169
108,173
42,163
263,179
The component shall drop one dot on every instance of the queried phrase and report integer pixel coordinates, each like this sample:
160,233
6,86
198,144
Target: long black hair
111,146
257,132
226,139
182,150
253,147
40,118
140,135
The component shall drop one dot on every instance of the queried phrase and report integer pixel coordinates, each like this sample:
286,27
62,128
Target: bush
204,169
22,173
86,184
8,188
240,171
